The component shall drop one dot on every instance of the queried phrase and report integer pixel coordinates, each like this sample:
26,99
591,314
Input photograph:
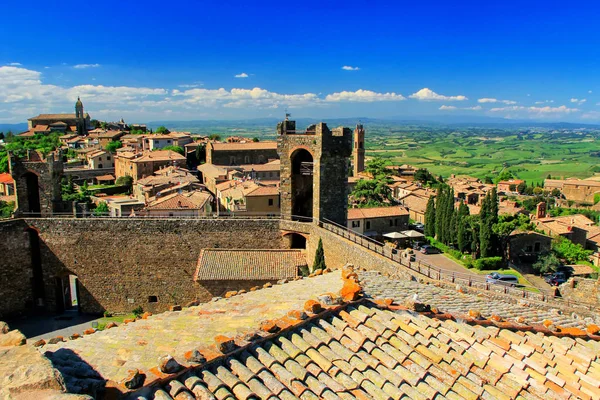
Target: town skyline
380,61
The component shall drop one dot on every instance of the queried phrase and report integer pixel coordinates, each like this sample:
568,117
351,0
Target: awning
395,235
413,234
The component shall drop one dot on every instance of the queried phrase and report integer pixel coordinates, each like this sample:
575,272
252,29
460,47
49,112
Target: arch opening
302,185
297,241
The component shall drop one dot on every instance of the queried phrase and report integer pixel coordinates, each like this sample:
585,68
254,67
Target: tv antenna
287,114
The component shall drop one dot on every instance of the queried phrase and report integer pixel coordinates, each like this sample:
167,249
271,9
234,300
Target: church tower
81,123
358,154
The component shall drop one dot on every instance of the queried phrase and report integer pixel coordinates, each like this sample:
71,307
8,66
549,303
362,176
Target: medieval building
314,172
358,154
46,123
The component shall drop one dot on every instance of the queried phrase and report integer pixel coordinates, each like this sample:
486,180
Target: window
168,141
537,247
270,202
99,158
368,225
528,248
152,299
396,222
391,222
356,224
108,158
247,159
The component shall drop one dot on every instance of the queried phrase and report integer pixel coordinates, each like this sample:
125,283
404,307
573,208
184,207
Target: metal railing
449,276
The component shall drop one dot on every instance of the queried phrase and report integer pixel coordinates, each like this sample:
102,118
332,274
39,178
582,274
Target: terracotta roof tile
180,201
245,146
6,178
227,264
376,212
264,191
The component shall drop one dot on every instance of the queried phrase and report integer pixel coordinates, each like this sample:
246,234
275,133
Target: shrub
138,311
488,263
319,257
107,314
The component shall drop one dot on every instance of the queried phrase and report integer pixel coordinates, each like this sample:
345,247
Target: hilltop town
233,267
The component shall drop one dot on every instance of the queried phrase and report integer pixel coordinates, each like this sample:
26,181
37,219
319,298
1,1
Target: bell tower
80,117
358,154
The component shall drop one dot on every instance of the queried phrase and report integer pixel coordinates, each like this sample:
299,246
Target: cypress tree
485,229
439,213
430,217
463,231
449,224
319,262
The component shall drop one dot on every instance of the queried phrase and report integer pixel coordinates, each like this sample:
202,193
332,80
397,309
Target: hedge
488,263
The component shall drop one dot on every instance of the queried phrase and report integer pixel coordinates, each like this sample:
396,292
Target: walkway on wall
435,273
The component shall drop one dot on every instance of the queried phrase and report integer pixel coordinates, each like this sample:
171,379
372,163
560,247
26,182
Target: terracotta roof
53,116
362,351
415,203
227,264
180,201
6,178
160,155
245,146
264,191
270,166
105,178
376,212
561,225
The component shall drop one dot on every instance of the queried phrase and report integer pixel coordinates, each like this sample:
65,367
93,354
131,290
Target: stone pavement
109,354
378,286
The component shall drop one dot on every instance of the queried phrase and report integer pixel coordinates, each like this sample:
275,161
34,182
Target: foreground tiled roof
450,300
226,264
364,352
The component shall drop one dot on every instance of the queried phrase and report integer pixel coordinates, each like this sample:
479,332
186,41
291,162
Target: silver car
502,279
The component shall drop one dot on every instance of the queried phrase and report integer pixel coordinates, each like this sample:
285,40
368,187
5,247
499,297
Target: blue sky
229,59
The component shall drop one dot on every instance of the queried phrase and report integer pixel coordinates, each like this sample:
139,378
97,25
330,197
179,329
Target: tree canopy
113,146
176,149
162,130
374,192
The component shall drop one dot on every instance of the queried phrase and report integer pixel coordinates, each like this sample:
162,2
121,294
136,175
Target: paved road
445,263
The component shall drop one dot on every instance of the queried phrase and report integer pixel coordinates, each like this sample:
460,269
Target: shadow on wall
79,376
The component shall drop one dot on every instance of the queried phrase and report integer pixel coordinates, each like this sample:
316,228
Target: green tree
1,135
505,176
546,263
215,136
463,234
6,208
521,187
162,130
101,209
424,176
430,217
378,169
113,146
201,153
125,180
488,180
569,251
255,139
176,149
319,262
376,191
440,210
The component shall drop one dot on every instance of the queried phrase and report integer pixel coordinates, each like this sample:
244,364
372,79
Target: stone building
140,165
358,154
527,246
46,123
314,171
581,191
37,183
240,153
376,221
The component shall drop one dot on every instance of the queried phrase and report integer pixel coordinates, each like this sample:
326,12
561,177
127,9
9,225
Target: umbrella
412,234
394,235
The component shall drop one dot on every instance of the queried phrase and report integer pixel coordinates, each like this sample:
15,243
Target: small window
356,224
528,249
247,159
537,247
368,225
108,158
270,202
152,299
168,141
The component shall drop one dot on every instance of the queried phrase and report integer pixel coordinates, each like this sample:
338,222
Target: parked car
419,227
567,270
556,278
417,245
502,279
429,249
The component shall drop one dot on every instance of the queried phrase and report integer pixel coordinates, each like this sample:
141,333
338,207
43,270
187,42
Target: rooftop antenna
287,114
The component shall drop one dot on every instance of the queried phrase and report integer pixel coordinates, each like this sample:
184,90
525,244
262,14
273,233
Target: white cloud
538,111
544,101
453,108
427,94
492,100
589,91
349,68
242,75
84,66
15,64
578,101
238,98
365,96
190,85
591,115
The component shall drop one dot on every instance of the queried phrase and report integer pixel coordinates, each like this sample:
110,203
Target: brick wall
15,268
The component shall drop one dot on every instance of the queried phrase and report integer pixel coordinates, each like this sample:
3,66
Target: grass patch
118,319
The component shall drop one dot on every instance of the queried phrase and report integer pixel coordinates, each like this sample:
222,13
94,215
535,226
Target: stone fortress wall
120,263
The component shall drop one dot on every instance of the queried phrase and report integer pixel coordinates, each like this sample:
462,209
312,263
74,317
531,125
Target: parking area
443,262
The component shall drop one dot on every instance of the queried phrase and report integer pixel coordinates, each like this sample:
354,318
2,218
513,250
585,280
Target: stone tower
80,116
314,172
358,154
37,183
